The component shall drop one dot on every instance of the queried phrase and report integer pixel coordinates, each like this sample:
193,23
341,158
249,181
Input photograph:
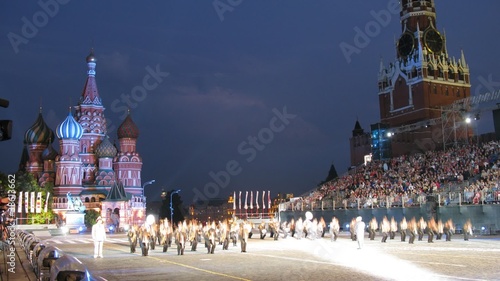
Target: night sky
261,89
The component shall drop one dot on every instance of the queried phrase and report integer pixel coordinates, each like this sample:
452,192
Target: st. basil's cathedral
88,167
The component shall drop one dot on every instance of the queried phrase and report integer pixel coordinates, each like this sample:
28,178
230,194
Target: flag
264,199
20,204
26,201
32,202
239,202
38,207
251,199
257,199
246,197
46,203
234,200
269,198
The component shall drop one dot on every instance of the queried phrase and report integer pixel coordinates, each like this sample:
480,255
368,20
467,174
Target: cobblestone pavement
292,259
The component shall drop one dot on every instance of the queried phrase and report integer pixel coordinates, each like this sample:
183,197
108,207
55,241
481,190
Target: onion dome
69,129
49,153
106,149
91,57
128,129
39,132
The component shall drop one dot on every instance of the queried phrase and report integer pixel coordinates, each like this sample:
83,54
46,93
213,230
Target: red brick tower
422,79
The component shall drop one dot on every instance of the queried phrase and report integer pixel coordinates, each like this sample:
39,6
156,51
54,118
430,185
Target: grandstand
456,178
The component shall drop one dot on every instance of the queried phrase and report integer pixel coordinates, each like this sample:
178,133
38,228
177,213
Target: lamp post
171,206
143,186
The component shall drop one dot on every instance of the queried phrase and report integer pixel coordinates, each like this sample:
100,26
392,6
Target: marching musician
132,237
403,226
385,227
245,228
334,229
412,230
181,237
448,229
431,230
394,228
372,228
421,226
352,229
467,230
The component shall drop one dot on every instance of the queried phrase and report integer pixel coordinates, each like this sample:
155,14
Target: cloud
116,63
222,98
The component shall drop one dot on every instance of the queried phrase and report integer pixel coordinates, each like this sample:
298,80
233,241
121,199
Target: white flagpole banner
26,201
269,198
257,200
251,199
46,203
38,208
20,203
234,200
264,199
246,197
239,202
32,202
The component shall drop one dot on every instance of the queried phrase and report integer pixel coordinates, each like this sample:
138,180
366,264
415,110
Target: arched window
440,72
451,75
430,71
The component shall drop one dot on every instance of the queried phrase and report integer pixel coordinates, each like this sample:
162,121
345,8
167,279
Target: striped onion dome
49,153
69,129
106,149
39,132
128,129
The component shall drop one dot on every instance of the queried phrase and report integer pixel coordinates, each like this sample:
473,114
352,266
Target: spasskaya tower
422,79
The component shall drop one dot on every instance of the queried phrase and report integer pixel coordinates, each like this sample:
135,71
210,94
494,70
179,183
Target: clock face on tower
433,41
405,44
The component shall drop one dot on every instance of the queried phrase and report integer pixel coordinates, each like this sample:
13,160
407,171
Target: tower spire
462,58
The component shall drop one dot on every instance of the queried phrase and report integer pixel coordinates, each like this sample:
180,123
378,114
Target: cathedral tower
36,138
128,163
68,162
90,115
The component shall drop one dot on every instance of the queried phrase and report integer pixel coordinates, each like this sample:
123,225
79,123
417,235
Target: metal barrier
46,260
447,198
69,268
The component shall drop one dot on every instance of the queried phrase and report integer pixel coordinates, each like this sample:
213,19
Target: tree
91,216
25,182
332,174
165,211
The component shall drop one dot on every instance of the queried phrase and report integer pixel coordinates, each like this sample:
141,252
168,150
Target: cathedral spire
90,95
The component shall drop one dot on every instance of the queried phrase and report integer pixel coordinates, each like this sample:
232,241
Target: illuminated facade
88,165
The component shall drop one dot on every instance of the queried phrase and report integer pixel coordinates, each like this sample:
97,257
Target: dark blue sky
229,72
